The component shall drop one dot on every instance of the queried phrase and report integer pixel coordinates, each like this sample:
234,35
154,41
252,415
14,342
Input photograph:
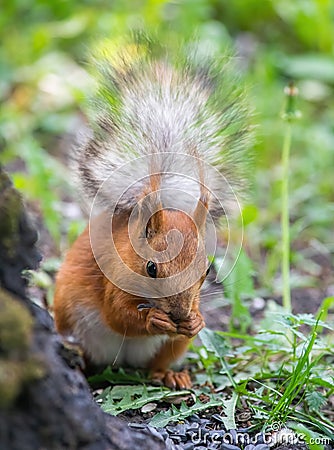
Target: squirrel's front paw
158,322
192,325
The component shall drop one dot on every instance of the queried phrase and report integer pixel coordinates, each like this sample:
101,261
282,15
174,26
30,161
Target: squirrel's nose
178,315
175,318
179,307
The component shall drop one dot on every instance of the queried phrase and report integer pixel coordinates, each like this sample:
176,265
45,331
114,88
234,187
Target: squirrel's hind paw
173,380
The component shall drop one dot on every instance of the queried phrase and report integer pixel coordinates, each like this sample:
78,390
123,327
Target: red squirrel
160,166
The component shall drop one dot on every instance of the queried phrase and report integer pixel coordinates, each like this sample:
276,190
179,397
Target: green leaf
323,382
315,400
249,214
229,410
314,66
298,379
311,438
175,414
239,283
122,398
214,342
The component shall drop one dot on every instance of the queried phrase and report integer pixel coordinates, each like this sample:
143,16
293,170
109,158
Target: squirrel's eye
151,269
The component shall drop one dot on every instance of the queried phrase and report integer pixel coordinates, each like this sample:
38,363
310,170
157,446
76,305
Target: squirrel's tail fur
187,121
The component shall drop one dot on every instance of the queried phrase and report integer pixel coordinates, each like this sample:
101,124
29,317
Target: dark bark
17,239
44,402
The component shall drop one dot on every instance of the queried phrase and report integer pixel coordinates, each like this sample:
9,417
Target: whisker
120,348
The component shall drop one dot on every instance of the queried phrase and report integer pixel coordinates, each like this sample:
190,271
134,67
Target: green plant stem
299,378
228,373
285,220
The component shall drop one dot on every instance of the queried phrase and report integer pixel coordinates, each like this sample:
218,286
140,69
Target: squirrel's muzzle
178,307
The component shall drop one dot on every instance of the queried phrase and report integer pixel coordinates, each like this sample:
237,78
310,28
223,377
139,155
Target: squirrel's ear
155,223
151,215
155,211
201,210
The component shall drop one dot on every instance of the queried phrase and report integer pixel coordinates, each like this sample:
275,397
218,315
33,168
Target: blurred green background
45,81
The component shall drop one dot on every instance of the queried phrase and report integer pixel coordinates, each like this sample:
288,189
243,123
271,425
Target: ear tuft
154,224
201,210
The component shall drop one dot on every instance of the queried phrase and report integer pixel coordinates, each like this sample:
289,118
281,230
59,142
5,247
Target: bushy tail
185,119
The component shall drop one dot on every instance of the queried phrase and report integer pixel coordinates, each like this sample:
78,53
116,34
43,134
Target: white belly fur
104,346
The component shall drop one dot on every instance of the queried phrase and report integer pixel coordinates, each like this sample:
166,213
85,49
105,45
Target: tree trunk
44,402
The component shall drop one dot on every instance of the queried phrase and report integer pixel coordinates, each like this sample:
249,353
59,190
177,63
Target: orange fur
82,289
